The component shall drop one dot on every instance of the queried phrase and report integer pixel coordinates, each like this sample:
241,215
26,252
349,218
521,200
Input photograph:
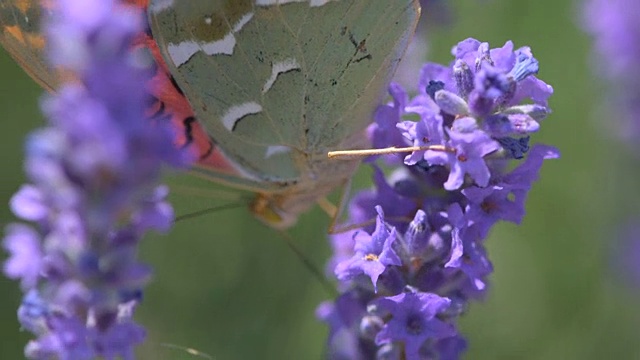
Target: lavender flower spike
93,190
426,256
614,27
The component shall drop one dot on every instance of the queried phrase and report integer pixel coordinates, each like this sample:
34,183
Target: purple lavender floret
373,253
413,320
405,285
93,190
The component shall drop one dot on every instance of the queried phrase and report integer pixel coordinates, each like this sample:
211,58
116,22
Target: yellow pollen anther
371,257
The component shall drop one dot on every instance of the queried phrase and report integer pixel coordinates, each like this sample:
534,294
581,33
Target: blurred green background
230,288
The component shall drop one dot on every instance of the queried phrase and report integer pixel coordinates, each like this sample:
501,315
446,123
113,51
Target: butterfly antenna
210,211
357,154
188,350
328,286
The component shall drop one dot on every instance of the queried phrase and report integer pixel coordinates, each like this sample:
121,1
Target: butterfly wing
171,101
21,37
277,83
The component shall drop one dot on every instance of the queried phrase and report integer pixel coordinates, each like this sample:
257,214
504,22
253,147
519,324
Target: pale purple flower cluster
408,276
615,27
93,190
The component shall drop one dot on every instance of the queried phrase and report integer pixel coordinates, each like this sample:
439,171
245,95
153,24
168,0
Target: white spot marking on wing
312,3
275,2
280,68
223,46
182,52
276,149
157,6
242,22
237,112
318,3
227,43
207,20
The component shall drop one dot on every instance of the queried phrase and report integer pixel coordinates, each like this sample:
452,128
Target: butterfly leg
336,212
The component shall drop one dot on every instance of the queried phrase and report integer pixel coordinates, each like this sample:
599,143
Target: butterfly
260,89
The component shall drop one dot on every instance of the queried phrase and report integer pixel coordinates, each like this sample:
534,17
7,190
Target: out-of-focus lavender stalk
93,189
407,277
615,27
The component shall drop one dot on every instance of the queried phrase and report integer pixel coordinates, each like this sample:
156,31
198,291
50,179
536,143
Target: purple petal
29,203
25,255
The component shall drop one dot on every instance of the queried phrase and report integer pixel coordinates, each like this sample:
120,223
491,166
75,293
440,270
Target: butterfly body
274,85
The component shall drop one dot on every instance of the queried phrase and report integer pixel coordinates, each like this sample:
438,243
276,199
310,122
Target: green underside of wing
343,54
